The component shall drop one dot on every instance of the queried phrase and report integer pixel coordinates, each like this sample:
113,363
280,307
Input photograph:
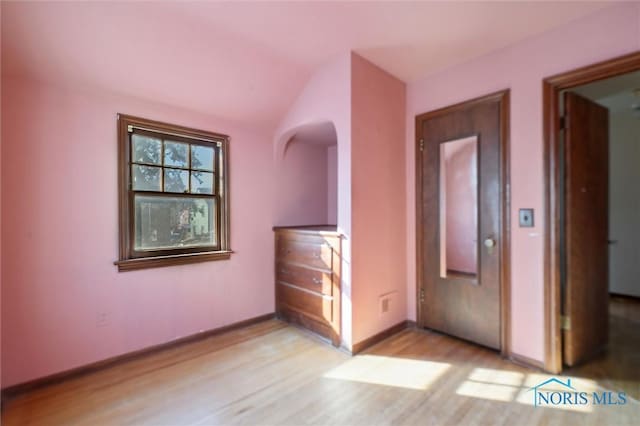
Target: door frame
551,88
503,98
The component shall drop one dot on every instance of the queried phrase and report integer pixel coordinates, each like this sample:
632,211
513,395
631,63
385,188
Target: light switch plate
526,218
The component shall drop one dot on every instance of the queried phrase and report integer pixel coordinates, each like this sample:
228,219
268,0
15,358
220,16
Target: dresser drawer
307,275
312,305
316,255
311,279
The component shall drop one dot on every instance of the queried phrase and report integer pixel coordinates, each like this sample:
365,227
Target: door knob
489,243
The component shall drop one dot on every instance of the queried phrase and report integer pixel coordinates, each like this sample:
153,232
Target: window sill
178,259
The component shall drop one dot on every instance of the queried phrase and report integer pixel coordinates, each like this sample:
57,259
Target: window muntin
173,194
166,223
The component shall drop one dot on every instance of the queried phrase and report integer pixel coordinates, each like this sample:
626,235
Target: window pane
146,178
176,154
176,180
174,222
201,183
201,157
146,149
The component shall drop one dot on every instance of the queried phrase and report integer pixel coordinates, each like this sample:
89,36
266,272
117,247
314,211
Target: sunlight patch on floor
388,371
526,396
492,384
508,386
499,377
585,385
487,391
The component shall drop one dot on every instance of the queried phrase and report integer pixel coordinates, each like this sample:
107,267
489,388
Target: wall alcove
307,184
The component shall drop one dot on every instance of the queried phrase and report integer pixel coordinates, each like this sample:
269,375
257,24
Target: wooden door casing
552,87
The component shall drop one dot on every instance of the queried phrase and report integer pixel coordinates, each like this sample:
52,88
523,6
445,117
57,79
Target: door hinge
565,322
421,294
421,144
564,122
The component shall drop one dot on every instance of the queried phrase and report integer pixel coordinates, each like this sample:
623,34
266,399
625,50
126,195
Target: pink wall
367,107
59,201
605,34
332,185
378,200
327,98
302,185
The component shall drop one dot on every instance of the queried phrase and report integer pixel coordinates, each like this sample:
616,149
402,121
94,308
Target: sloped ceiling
247,61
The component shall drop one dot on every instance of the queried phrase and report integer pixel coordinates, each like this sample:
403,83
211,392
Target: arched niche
307,167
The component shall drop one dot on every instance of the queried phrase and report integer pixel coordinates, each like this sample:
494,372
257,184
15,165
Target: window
173,194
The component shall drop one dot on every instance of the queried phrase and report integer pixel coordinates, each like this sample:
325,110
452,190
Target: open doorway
593,291
621,97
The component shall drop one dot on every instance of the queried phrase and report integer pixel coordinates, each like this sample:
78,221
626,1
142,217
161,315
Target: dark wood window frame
129,257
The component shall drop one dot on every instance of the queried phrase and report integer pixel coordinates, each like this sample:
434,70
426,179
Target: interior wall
332,185
302,178
378,198
608,33
327,98
367,107
63,302
624,203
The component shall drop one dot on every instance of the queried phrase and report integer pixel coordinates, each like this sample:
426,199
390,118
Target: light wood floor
274,374
619,367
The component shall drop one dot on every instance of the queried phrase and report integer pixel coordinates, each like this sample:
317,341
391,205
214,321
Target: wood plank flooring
274,374
619,367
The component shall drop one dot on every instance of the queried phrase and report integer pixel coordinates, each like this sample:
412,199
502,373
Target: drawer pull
316,281
284,271
316,255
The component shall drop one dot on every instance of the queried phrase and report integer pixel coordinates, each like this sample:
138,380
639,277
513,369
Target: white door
624,204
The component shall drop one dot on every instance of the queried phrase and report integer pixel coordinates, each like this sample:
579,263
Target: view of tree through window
164,165
175,194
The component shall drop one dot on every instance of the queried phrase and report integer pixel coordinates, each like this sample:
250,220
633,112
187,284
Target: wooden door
586,153
460,227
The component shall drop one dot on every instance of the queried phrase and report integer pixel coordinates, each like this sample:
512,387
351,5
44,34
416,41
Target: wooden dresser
308,278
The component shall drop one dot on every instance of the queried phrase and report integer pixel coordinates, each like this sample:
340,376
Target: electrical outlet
103,319
384,305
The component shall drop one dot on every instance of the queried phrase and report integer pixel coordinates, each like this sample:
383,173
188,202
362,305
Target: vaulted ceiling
247,61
